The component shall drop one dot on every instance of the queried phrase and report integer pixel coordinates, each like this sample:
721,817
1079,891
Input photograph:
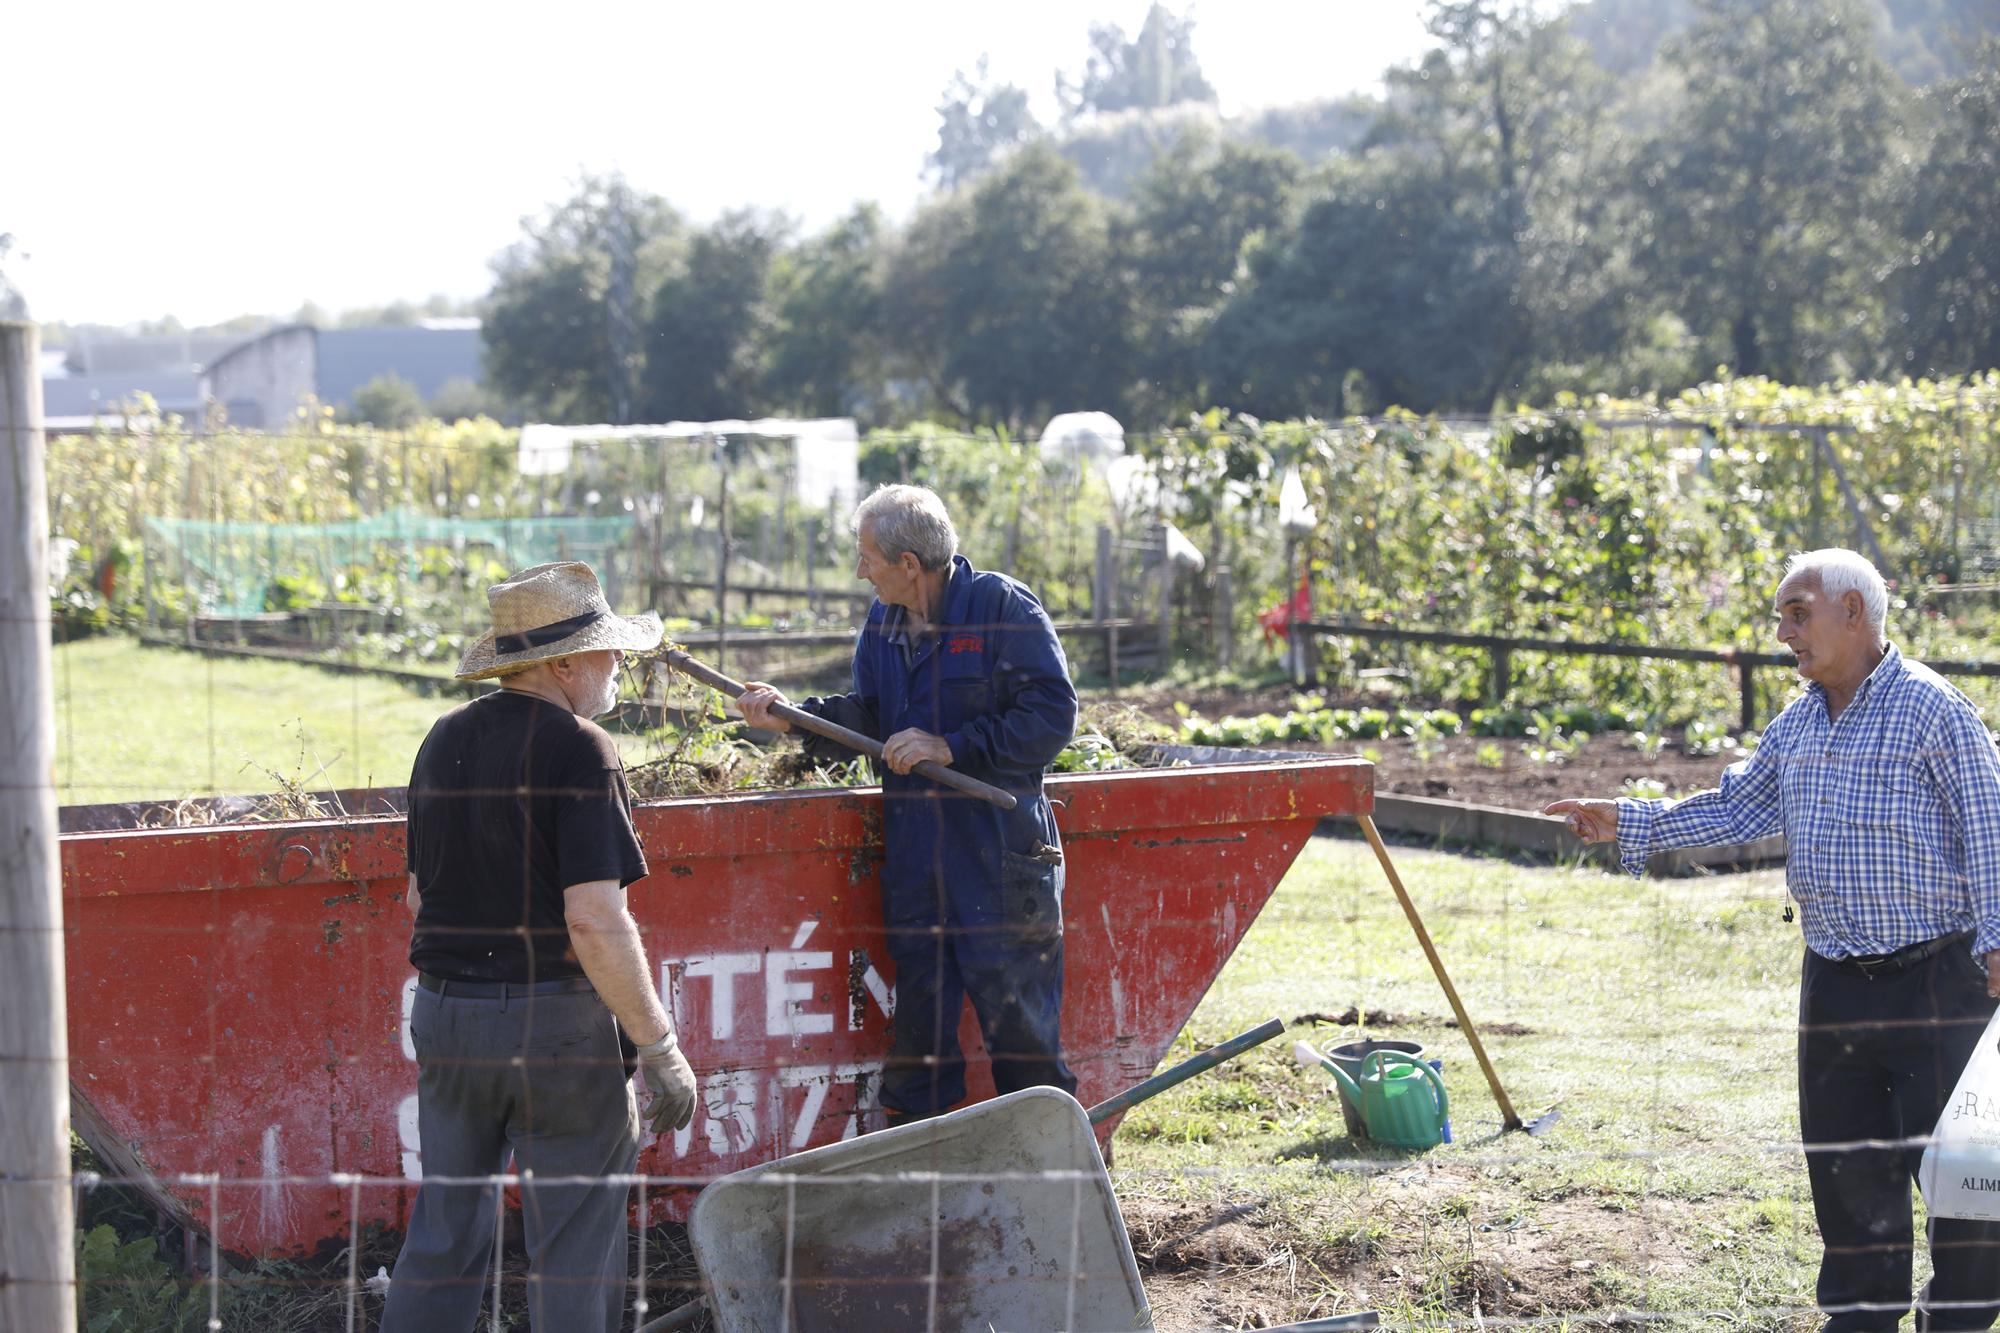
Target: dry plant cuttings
293,801
705,752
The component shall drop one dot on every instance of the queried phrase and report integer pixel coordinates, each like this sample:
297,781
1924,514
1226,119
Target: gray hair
1839,571
908,518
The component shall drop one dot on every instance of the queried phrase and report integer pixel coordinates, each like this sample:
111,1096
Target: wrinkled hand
906,749
1590,821
669,1082
755,705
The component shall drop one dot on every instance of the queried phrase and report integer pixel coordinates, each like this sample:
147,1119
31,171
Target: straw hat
547,612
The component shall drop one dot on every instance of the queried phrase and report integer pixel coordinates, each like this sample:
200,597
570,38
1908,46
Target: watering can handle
1437,1083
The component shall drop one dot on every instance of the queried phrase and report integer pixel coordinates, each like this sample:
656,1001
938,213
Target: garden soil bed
1453,770
1479,770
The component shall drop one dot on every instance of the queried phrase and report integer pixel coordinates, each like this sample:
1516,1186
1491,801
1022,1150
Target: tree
825,355
1510,115
462,399
917,286
388,401
1951,285
1469,245
403,314
1191,215
1009,305
1387,292
1766,186
710,329
977,121
13,305
547,329
1155,69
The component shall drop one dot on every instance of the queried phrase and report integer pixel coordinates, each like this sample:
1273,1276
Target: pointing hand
1589,820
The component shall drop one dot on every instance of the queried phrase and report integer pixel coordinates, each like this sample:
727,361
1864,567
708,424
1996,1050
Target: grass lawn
136,723
1657,1016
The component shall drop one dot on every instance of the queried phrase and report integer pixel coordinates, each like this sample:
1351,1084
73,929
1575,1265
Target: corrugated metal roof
87,395
427,357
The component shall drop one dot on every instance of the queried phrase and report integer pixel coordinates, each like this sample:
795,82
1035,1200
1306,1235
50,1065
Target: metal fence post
37,1213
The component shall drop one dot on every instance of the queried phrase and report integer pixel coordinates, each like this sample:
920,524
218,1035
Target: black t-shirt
512,800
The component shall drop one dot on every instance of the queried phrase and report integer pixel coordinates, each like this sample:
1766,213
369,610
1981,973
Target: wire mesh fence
240,995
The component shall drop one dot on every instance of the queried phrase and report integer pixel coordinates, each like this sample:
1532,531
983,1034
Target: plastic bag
1960,1173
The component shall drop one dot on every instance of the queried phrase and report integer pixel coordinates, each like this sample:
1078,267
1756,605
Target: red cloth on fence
1278,620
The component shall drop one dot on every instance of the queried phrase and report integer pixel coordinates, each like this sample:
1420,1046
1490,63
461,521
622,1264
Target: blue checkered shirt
1891,814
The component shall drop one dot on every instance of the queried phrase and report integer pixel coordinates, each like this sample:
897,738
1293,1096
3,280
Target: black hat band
545,635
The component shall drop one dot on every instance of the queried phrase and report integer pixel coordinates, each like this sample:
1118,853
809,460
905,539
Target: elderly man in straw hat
532,981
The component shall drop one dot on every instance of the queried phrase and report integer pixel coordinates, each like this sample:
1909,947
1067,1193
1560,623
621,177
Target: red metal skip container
239,994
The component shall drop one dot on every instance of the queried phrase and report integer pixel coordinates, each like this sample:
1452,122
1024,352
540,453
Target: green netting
232,566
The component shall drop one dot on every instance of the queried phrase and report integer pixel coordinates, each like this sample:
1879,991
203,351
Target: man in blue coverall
960,667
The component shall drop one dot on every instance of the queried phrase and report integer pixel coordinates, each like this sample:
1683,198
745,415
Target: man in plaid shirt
1886,786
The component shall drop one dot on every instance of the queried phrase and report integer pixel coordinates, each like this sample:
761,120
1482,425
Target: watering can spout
1309,1056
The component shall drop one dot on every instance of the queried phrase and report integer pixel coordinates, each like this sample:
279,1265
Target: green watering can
1402,1099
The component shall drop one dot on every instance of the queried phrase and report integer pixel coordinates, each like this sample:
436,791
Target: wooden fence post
1503,675
1166,596
1104,600
812,551
1101,608
1225,618
722,555
37,1214
1294,668
1746,683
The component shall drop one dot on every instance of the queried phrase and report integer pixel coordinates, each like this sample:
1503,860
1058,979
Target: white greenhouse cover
826,451
1087,436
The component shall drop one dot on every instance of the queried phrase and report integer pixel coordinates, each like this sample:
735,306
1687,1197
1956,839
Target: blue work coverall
971,894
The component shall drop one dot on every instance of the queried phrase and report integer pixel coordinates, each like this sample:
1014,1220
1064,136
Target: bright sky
211,159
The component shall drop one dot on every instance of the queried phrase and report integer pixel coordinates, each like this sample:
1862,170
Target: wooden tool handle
833,731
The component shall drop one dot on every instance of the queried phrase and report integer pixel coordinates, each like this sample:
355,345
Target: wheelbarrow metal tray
997,1216
239,994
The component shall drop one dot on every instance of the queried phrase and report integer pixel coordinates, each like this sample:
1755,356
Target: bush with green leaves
124,1287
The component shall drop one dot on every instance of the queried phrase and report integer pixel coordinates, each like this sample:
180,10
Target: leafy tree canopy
548,328
388,401
1155,69
977,121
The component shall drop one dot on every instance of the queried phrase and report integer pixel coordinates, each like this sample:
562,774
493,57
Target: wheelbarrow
1000,1215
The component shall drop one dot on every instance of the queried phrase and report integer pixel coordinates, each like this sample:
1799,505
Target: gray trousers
540,1077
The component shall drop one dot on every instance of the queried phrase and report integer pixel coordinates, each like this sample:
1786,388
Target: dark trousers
1877,1059
542,1079
1012,973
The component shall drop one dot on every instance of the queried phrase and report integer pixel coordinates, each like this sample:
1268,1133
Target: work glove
669,1084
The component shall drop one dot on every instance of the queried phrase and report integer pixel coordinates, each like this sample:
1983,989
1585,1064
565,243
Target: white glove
669,1081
